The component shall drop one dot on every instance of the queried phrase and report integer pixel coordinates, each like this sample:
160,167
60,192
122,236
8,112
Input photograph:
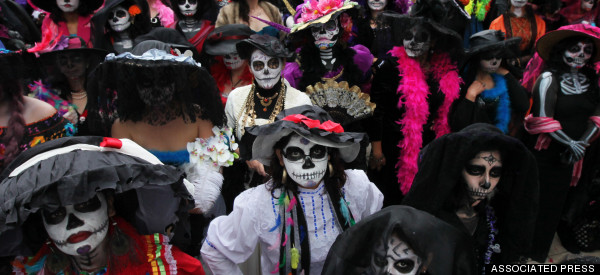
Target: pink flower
327,6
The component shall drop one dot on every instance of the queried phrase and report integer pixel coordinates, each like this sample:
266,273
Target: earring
56,261
119,242
284,177
330,169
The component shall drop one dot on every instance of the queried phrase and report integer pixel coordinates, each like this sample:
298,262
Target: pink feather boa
414,92
165,14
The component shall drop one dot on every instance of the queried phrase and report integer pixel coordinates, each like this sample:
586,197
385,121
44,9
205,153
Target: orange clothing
521,27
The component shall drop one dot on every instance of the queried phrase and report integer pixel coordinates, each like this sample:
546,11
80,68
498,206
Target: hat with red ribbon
310,122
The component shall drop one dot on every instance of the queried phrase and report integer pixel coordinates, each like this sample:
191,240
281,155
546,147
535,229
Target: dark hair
207,10
244,9
56,14
59,82
103,33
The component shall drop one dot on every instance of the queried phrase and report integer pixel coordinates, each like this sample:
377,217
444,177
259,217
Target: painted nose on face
266,72
308,163
486,183
187,6
73,222
115,18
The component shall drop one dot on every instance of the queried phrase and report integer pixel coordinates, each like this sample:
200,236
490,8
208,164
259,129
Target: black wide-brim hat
72,170
48,5
316,126
492,40
269,45
222,40
545,44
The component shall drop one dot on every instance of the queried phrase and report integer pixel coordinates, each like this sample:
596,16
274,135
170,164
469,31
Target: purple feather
402,6
273,24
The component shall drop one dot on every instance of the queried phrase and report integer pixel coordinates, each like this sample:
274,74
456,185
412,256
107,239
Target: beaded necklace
251,113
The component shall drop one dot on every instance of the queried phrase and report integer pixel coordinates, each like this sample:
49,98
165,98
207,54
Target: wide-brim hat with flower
545,44
222,40
310,122
72,170
491,40
49,5
318,12
269,45
49,56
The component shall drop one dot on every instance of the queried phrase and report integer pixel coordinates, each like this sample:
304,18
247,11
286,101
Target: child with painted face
484,183
309,200
109,225
491,94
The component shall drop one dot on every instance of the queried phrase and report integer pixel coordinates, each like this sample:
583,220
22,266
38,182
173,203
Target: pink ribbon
541,125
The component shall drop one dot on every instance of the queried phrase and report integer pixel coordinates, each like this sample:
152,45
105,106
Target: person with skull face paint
66,17
485,184
195,20
119,23
307,203
414,91
229,70
491,94
111,225
401,240
564,121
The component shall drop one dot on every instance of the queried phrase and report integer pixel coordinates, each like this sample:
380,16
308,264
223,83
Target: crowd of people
297,137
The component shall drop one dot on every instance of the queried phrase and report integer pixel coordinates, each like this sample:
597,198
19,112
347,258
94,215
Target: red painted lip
79,237
67,5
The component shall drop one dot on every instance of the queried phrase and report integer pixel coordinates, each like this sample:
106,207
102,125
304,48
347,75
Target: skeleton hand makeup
577,55
417,42
482,174
67,5
80,228
266,69
188,7
232,61
587,5
155,90
377,5
305,161
119,19
395,257
326,35
490,63
518,3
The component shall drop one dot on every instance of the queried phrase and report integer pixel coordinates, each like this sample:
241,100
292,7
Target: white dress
231,239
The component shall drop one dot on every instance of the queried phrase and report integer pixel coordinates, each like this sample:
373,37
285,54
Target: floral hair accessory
218,150
319,12
134,10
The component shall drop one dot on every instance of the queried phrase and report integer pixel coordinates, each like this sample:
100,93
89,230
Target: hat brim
91,52
246,47
47,5
221,47
324,19
545,44
509,44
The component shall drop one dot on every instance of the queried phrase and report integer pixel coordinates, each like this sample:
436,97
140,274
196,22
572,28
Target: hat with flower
318,12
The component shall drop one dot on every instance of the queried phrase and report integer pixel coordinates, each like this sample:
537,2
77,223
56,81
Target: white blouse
231,239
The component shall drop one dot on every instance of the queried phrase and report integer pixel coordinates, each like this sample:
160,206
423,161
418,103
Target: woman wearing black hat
491,94
118,23
308,202
66,17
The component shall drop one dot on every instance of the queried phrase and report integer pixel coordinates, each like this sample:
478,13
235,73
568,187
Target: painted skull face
188,7
72,64
67,5
232,61
266,69
119,19
155,88
78,229
577,55
482,174
518,3
417,42
305,161
587,5
377,5
326,35
490,62
393,256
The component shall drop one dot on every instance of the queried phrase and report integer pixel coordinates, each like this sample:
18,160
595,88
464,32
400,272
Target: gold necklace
250,113
266,101
79,95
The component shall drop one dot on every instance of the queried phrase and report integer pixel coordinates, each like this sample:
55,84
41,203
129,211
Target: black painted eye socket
404,266
258,65
419,36
54,217
273,63
330,26
294,154
317,152
119,13
474,170
496,172
91,205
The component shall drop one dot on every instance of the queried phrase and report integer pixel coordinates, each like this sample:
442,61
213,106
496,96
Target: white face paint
518,3
377,5
67,5
232,61
80,228
577,55
490,62
417,42
188,7
587,5
119,19
326,35
482,174
395,258
266,69
305,161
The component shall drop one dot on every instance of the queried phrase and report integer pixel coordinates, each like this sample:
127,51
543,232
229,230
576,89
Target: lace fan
345,104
